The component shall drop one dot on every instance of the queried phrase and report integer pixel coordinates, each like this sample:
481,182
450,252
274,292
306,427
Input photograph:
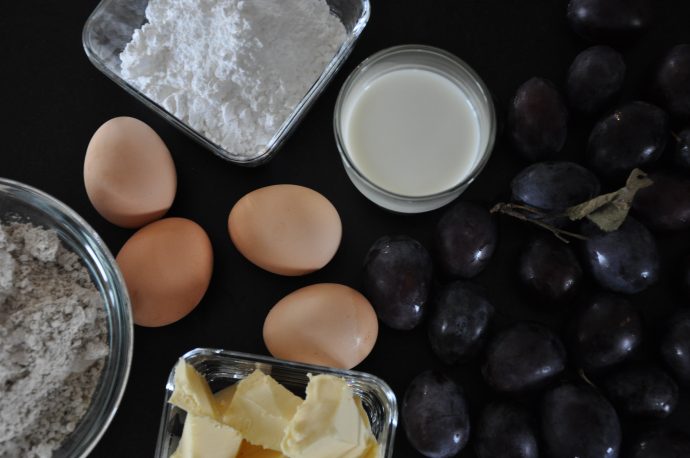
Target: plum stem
584,377
607,211
534,216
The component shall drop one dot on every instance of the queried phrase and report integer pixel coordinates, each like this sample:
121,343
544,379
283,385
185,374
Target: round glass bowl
450,68
19,202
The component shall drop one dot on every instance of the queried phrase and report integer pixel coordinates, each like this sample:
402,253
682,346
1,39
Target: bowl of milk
415,125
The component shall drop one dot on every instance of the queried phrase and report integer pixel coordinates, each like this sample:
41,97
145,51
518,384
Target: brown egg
129,174
167,267
285,229
325,324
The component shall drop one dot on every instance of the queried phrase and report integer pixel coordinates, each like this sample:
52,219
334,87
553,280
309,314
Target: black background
53,100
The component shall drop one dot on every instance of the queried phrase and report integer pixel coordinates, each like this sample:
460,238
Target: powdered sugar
232,69
52,341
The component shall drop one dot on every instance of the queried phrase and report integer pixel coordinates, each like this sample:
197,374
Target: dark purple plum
682,153
633,135
397,279
673,81
625,260
538,120
675,348
506,430
459,322
435,415
554,186
549,270
595,78
685,276
523,357
660,444
465,240
610,21
605,332
643,392
576,421
665,205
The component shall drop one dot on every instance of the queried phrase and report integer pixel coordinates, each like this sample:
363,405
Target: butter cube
261,409
224,397
204,437
373,450
330,423
192,393
248,450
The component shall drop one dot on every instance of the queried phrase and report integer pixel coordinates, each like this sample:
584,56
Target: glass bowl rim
113,379
483,90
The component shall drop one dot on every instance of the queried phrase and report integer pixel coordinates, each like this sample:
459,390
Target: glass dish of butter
264,400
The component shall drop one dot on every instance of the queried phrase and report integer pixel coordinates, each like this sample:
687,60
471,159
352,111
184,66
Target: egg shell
325,324
167,268
285,229
129,173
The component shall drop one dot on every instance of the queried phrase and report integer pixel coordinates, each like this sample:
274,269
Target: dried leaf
610,217
585,209
609,211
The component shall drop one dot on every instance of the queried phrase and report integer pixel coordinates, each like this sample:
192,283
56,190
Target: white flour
52,341
232,69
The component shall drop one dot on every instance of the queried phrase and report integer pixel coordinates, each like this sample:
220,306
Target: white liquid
412,132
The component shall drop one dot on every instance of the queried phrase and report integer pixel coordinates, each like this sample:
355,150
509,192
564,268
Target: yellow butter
261,409
192,393
330,423
248,450
373,450
204,437
224,397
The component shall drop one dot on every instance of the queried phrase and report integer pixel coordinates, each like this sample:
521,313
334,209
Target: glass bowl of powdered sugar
65,328
237,76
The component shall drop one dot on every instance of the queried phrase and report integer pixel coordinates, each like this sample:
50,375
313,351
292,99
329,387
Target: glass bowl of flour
237,76
66,333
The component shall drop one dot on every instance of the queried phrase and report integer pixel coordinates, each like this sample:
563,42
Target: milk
412,132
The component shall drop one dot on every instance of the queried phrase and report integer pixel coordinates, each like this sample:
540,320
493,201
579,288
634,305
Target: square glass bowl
110,28
222,368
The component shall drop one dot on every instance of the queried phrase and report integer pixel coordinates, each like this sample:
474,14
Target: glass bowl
110,28
19,202
424,58
222,368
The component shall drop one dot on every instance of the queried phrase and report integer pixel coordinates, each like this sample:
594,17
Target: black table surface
53,100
